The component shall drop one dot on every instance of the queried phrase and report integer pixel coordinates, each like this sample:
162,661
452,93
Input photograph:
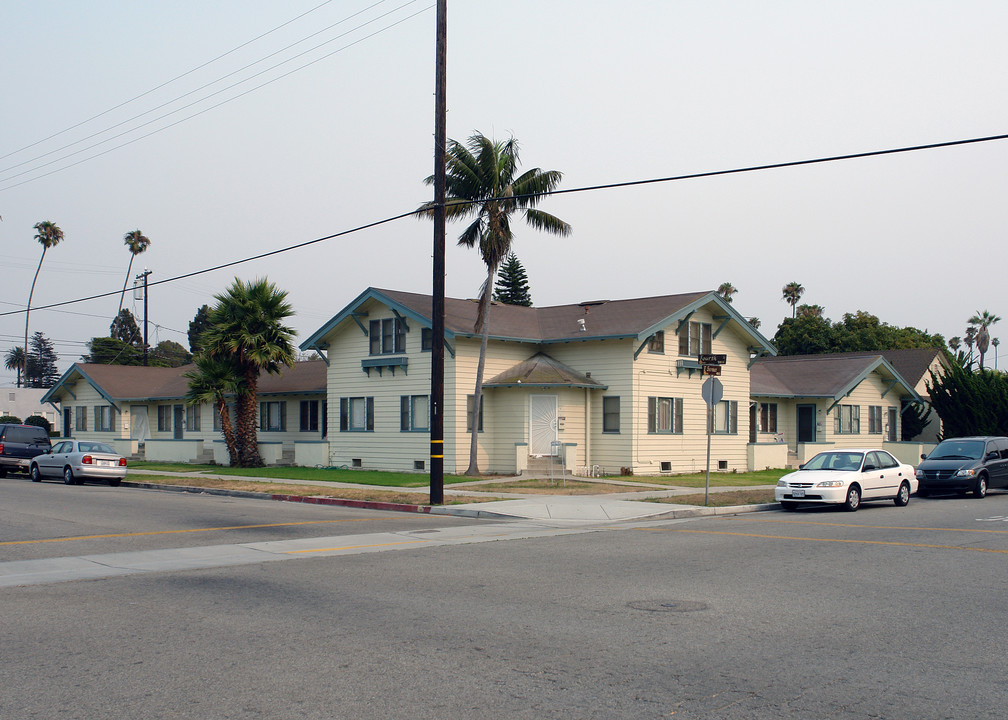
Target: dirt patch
543,486
722,499
364,494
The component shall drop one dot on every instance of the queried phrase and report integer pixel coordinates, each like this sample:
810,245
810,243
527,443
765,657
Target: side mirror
992,455
802,466
869,467
923,456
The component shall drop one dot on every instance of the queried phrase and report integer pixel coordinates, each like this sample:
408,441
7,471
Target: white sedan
78,460
847,477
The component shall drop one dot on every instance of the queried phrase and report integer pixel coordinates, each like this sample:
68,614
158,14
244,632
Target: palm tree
995,342
755,322
15,360
213,380
954,343
246,330
48,235
970,339
137,242
481,181
792,293
983,320
726,290
813,311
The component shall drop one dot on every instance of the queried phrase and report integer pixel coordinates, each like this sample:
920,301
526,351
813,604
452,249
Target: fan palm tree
482,181
137,242
755,322
983,320
15,360
213,381
247,330
995,342
954,343
792,293
726,290
48,235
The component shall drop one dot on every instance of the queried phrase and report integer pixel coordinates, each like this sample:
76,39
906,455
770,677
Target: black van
963,465
19,444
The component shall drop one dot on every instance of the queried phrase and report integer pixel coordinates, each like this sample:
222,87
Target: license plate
106,463
798,492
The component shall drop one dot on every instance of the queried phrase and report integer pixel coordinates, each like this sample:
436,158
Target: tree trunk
248,439
28,311
473,468
228,430
122,295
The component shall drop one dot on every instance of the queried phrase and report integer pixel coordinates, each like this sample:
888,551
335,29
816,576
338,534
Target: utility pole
437,310
143,276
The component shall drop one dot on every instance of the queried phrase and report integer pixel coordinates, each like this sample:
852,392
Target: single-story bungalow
142,412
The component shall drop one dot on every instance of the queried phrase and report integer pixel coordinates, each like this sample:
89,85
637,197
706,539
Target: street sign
711,369
712,358
712,391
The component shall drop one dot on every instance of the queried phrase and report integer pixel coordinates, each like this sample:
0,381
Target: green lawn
717,479
361,477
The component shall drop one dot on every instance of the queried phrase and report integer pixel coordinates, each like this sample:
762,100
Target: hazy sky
604,92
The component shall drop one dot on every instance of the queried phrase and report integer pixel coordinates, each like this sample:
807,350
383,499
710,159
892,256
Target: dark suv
963,465
19,444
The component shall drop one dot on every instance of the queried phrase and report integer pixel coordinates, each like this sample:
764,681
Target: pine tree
512,283
42,371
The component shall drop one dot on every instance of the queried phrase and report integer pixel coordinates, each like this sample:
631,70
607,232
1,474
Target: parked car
79,460
963,465
19,444
847,477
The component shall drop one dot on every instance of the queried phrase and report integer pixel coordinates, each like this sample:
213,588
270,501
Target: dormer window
695,339
386,337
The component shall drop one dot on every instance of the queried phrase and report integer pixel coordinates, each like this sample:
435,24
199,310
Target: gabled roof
821,376
541,370
636,318
133,383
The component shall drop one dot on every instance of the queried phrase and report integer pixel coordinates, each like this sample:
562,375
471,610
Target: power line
193,92
587,188
177,77
196,102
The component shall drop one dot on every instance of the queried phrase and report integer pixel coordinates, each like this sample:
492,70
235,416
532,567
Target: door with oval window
542,424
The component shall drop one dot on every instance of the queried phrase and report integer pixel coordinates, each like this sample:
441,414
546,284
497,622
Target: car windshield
95,447
958,450
844,461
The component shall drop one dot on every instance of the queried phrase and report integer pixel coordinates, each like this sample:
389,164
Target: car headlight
966,472
830,483
782,483
919,474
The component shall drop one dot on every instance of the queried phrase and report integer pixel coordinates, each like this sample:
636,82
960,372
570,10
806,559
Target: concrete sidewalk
566,509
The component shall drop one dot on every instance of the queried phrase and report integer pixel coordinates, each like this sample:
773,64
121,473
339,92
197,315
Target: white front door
542,424
139,423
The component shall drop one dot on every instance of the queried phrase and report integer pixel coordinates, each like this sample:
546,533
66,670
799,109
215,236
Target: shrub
39,421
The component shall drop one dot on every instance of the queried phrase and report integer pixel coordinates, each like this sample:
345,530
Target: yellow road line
874,527
176,532
354,547
828,540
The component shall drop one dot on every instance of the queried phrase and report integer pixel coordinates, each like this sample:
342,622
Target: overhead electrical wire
206,97
588,188
186,73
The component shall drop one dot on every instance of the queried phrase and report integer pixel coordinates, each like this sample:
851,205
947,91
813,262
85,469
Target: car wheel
903,496
114,482
788,505
68,476
36,476
853,500
981,487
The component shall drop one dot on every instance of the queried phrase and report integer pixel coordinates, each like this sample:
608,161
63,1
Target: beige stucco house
604,386
142,412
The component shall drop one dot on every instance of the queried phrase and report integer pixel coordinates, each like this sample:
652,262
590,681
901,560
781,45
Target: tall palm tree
726,290
247,330
755,322
995,342
15,360
792,293
48,235
482,181
213,381
983,320
954,343
137,242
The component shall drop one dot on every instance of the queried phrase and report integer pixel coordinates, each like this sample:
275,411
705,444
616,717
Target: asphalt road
888,612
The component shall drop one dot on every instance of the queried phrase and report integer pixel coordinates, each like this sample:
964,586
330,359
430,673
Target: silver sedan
79,460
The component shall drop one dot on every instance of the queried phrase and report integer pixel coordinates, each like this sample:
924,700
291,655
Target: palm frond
549,223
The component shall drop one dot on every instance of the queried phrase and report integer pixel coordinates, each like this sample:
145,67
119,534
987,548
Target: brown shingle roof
540,370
